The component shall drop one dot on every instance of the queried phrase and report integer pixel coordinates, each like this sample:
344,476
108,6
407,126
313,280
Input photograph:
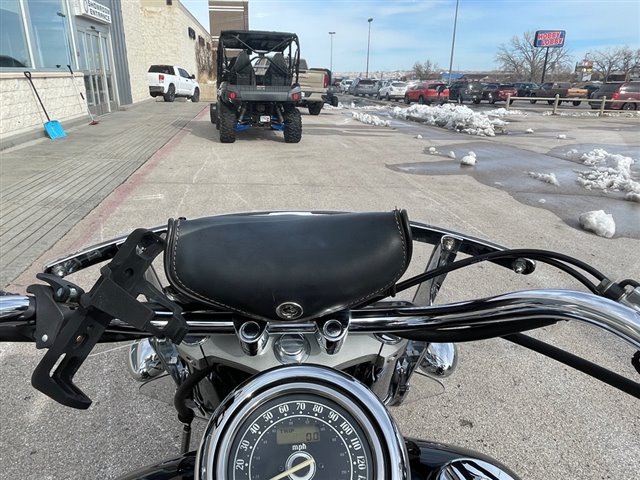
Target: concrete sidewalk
48,186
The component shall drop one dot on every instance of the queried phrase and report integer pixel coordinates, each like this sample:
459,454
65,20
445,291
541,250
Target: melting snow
452,154
562,136
598,222
529,130
608,172
370,119
545,177
469,159
459,118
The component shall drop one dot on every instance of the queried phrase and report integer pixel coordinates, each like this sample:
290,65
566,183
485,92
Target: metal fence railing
604,103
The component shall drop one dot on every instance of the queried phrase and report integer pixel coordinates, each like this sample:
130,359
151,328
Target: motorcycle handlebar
515,312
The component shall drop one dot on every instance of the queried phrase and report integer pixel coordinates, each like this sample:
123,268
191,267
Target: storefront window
13,43
49,36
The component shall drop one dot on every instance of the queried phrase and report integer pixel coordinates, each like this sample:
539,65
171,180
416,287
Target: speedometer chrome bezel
387,445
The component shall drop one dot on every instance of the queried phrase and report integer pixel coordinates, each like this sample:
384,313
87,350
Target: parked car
592,88
427,93
344,85
498,92
364,86
393,91
617,91
465,92
169,82
525,89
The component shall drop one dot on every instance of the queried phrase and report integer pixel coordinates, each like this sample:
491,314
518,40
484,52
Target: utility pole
331,57
368,46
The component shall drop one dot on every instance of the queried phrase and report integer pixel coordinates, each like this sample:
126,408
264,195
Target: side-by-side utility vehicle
257,84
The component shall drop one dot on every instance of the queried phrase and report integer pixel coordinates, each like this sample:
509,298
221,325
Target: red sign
549,38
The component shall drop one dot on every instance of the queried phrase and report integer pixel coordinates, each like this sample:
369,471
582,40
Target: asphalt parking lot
540,418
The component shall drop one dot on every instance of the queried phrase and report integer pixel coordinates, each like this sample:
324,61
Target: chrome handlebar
528,306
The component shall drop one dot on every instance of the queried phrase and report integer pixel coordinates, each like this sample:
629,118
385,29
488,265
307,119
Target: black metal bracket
76,332
123,280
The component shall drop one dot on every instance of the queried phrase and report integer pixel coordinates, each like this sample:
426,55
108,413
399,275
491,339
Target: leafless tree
622,61
526,61
605,62
629,61
425,70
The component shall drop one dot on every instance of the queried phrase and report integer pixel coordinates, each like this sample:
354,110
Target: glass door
95,63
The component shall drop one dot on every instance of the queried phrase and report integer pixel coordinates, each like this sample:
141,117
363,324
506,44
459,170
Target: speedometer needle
300,466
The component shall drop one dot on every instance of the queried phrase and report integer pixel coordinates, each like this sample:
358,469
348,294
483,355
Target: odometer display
301,434
300,437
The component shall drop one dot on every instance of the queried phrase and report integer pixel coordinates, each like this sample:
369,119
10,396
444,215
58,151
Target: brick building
109,44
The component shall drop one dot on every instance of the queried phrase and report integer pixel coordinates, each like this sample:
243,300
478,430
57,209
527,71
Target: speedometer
301,423
301,437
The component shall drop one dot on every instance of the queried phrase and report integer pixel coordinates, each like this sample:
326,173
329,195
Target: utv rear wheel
170,96
292,126
227,121
315,108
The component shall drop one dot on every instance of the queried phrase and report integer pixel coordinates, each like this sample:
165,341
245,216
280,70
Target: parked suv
617,91
392,91
465,92
525,89
427,92
498,92
364,86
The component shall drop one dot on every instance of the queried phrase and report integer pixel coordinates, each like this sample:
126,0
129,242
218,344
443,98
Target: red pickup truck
427,93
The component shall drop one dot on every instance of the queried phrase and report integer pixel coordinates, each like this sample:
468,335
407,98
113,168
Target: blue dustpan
52,127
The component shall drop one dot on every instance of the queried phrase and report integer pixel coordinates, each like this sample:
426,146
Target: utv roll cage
241,51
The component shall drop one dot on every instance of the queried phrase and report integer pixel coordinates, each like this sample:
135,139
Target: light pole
331,57
368,45
453,41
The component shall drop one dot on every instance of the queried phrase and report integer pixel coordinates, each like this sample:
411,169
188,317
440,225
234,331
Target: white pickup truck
169,82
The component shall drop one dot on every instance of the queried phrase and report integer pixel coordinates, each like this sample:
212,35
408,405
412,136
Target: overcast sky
406,31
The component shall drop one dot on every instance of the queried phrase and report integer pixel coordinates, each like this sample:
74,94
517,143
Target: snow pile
503,112
452,117
452,154
597,156
529,130
432,151
545,177
367,107
419,137
633,197
608,172
331,107
370,119
562,136
469,159
598,222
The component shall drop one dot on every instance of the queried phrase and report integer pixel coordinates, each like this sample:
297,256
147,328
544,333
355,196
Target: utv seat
242,72
278,72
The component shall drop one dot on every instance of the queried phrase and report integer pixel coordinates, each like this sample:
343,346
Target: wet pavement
506,168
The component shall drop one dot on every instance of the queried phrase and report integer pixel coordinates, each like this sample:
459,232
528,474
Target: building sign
94,10
549,38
